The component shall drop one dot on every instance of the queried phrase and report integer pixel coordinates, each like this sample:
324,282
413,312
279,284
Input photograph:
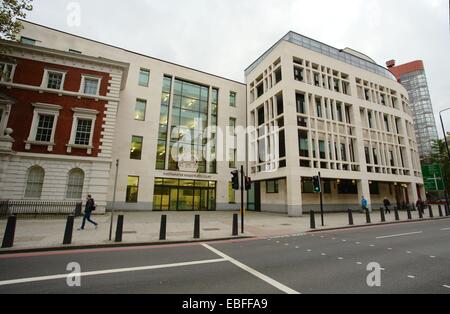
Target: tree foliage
10,10
440,155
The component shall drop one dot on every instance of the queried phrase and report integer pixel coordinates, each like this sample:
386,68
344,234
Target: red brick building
57,121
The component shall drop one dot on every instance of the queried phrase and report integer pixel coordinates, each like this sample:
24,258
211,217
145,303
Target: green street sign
432,177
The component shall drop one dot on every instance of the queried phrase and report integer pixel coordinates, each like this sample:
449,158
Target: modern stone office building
312,108
413,77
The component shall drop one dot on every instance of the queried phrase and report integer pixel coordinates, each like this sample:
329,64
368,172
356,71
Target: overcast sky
223,37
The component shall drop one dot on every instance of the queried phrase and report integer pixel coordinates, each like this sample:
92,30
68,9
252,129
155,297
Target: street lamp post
443,130
448,152
114,201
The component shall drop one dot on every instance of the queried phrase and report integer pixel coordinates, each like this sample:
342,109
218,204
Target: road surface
414,258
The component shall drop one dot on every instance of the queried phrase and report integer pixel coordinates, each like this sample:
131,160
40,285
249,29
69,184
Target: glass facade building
412,76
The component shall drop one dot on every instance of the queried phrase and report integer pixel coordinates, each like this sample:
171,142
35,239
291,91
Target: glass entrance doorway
184,195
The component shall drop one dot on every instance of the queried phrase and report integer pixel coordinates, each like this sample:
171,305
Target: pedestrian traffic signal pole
242,198
114,201
321,200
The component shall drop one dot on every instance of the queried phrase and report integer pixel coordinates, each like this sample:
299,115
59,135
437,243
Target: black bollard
197,227
8,239
447,210
163,228
350,217
368,220
69,230
397,216
409,214
383,214
313,219
119,229
430,209
440,211
235,225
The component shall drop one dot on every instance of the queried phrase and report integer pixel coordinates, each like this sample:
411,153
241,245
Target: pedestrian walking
364,204
90,207
387,203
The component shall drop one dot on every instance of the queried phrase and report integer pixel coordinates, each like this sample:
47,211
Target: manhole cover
129,232
211,229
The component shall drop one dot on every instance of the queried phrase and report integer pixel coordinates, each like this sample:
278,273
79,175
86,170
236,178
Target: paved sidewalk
142,227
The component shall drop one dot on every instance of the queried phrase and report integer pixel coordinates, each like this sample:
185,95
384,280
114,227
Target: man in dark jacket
386,204
90,206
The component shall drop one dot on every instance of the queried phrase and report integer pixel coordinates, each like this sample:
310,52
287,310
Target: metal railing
29,209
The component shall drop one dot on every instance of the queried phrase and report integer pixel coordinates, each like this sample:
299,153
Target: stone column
294,196
364,190
412,193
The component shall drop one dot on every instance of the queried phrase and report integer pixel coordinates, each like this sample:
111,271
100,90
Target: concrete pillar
294,196
412,193
364,190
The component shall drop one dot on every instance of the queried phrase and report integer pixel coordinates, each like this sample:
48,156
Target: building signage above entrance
188,166
188,175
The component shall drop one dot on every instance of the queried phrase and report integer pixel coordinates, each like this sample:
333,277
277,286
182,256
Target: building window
347,187
322,150
136,147
139,110
27,41
366,150
303,143
298,74
54,79
300,100
232,99
278,76
45,128
272,186
83,133
343,153
7,72
91,86
82,129
35,182
386,123
132,189
144,77
75,184
280,104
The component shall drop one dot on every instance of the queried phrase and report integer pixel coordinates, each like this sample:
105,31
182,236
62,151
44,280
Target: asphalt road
414,258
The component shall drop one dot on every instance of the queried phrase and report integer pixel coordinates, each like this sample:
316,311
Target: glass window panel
35,182
132,189
75,184
136,147
140,109
91,86
83,134
144,77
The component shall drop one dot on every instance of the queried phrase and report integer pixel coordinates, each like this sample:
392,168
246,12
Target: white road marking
296,247
372,245
340,258
261,276
445,286
286,244
390,249
109,271
323,254
333,239
445,229
309,250
344,240
398,235
408,252
432,256
359,263
411,277
358,243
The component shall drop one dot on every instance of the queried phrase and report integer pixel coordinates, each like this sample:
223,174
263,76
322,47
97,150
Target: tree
10,10
439,155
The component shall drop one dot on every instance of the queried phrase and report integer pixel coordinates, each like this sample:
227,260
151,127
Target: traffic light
316,184
248,183
235,179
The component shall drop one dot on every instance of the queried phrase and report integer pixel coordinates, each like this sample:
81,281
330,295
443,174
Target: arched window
35,181
75,184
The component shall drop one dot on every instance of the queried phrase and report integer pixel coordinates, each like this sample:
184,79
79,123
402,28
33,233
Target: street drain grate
211,229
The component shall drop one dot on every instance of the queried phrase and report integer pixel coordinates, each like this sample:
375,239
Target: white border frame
44,83
85,114
91,77
41,109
